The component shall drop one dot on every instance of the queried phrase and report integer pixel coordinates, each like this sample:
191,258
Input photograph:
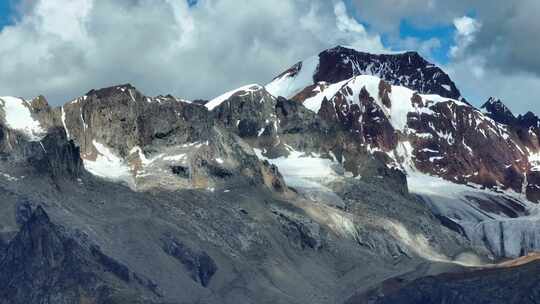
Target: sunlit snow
302,170
212,104
109,166
288,85
18,117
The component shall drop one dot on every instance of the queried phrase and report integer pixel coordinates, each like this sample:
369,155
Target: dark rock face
200,266
408,69
296,119
499,112
533,187
301,231
43,265
55,155
365,120
136,128
503,285
111,265
462,146
23,212
529,120
250,114
180,171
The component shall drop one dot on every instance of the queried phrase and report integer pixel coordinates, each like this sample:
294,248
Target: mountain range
348,178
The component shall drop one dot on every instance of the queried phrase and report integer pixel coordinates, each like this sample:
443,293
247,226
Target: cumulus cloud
495,49
476,80
386,15
506,35
466,29
62,48
354,32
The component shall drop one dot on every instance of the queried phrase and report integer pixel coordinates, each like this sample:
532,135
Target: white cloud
355,32
65,20
466,29
478,81
62,48
466,26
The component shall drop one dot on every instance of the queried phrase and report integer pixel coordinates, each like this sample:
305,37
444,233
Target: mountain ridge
257,197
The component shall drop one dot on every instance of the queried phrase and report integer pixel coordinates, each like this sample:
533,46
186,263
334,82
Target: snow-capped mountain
407,69
344,171
446,147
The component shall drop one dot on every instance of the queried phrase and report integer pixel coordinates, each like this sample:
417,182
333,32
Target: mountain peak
493,101
529,119
111,90
498,111
350,49
408,69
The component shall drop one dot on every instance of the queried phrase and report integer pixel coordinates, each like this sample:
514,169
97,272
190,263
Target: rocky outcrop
250,114
200,266
54,155
499,112
122,118
43,264
301,231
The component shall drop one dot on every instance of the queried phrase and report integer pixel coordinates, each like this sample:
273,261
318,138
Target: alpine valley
349,178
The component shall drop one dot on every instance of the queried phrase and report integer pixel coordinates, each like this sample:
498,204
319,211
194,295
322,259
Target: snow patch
8,177
142,157
212,104
64,122
108,166
314,103
18,117
302,170
288,85
178,157
534,159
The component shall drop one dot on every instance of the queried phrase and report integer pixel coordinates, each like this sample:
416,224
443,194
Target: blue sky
6,12
444,34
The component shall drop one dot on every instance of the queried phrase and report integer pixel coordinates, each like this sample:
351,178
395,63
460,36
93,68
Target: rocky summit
349,178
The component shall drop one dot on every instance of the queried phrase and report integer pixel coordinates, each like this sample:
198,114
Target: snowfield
18,117
302,170
108,166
